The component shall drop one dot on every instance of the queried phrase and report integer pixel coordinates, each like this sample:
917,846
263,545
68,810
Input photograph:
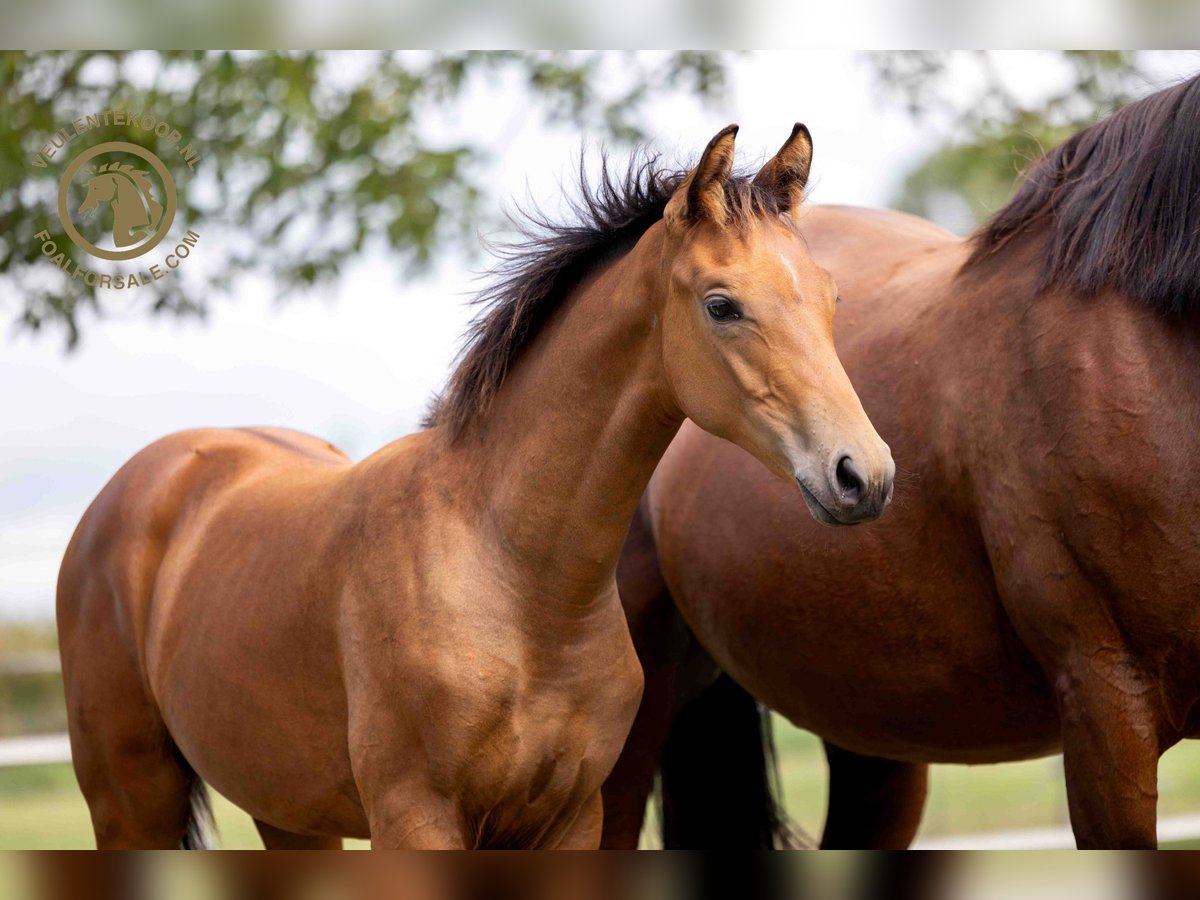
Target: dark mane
536,273
1117,206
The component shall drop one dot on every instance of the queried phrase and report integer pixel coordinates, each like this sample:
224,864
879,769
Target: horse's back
133,517
123,537
876,253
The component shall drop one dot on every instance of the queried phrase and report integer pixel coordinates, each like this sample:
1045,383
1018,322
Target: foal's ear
786,173
702,193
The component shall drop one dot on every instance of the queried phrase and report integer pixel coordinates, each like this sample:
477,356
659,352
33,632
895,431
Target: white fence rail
34,750
41,662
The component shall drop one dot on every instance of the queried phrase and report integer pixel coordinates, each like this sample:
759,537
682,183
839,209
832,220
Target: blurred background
342,200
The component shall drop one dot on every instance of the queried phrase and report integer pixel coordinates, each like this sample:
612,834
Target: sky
358,366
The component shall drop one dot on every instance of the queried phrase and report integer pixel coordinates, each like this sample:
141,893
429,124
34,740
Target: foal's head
748,333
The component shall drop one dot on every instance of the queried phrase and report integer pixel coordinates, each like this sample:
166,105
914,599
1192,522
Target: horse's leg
631,782
137,785
628,787
662,642
584,833
1111,746
411,818
874,804
277,839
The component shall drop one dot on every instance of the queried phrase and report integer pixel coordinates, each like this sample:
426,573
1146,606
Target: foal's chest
529,775
542,747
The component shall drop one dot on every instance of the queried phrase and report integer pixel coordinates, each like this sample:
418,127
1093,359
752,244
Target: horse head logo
143,207
136,212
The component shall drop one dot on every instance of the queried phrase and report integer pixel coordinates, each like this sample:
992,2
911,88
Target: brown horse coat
1035,585
427,647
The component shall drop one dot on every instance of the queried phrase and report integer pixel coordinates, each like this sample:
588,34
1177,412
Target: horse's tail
201,830
719,776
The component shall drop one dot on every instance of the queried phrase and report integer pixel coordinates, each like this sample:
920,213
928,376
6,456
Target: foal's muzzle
853,492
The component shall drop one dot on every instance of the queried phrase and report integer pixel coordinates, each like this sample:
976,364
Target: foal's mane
1117,206
536,273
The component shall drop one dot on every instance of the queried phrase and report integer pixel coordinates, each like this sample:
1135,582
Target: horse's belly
898,686
244,670
924,722
275,749
906,684
928,670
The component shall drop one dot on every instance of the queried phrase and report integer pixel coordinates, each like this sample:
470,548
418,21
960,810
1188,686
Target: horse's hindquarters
191,630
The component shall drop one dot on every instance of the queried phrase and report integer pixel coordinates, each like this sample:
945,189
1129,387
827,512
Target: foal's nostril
851,483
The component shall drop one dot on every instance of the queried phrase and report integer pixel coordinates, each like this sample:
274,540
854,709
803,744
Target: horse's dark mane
536,273
1117,206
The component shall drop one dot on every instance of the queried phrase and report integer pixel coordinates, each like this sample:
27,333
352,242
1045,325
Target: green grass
41,807
962,799
27,637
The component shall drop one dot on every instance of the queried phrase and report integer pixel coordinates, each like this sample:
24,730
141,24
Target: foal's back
137,523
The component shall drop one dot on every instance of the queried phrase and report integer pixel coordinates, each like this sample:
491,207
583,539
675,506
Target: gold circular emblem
141,217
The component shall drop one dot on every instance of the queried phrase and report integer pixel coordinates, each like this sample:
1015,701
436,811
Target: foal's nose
859,496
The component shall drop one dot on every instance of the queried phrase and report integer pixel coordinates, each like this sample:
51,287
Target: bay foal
427,647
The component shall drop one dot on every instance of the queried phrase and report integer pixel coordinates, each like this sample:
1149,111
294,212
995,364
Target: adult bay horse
427,647
1036,586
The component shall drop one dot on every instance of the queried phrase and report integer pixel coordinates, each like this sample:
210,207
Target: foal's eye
722,309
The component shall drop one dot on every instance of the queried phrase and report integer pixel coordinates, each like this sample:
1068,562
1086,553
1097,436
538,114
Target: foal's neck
577,429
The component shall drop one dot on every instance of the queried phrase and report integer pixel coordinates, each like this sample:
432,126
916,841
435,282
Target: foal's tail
719,776
201,830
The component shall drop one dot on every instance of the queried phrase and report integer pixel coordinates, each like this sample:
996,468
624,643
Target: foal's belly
242,660
263,725
267,743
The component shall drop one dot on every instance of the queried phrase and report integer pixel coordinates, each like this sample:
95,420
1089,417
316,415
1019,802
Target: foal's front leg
403,809
584,833
403,820
1111,745
406,818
